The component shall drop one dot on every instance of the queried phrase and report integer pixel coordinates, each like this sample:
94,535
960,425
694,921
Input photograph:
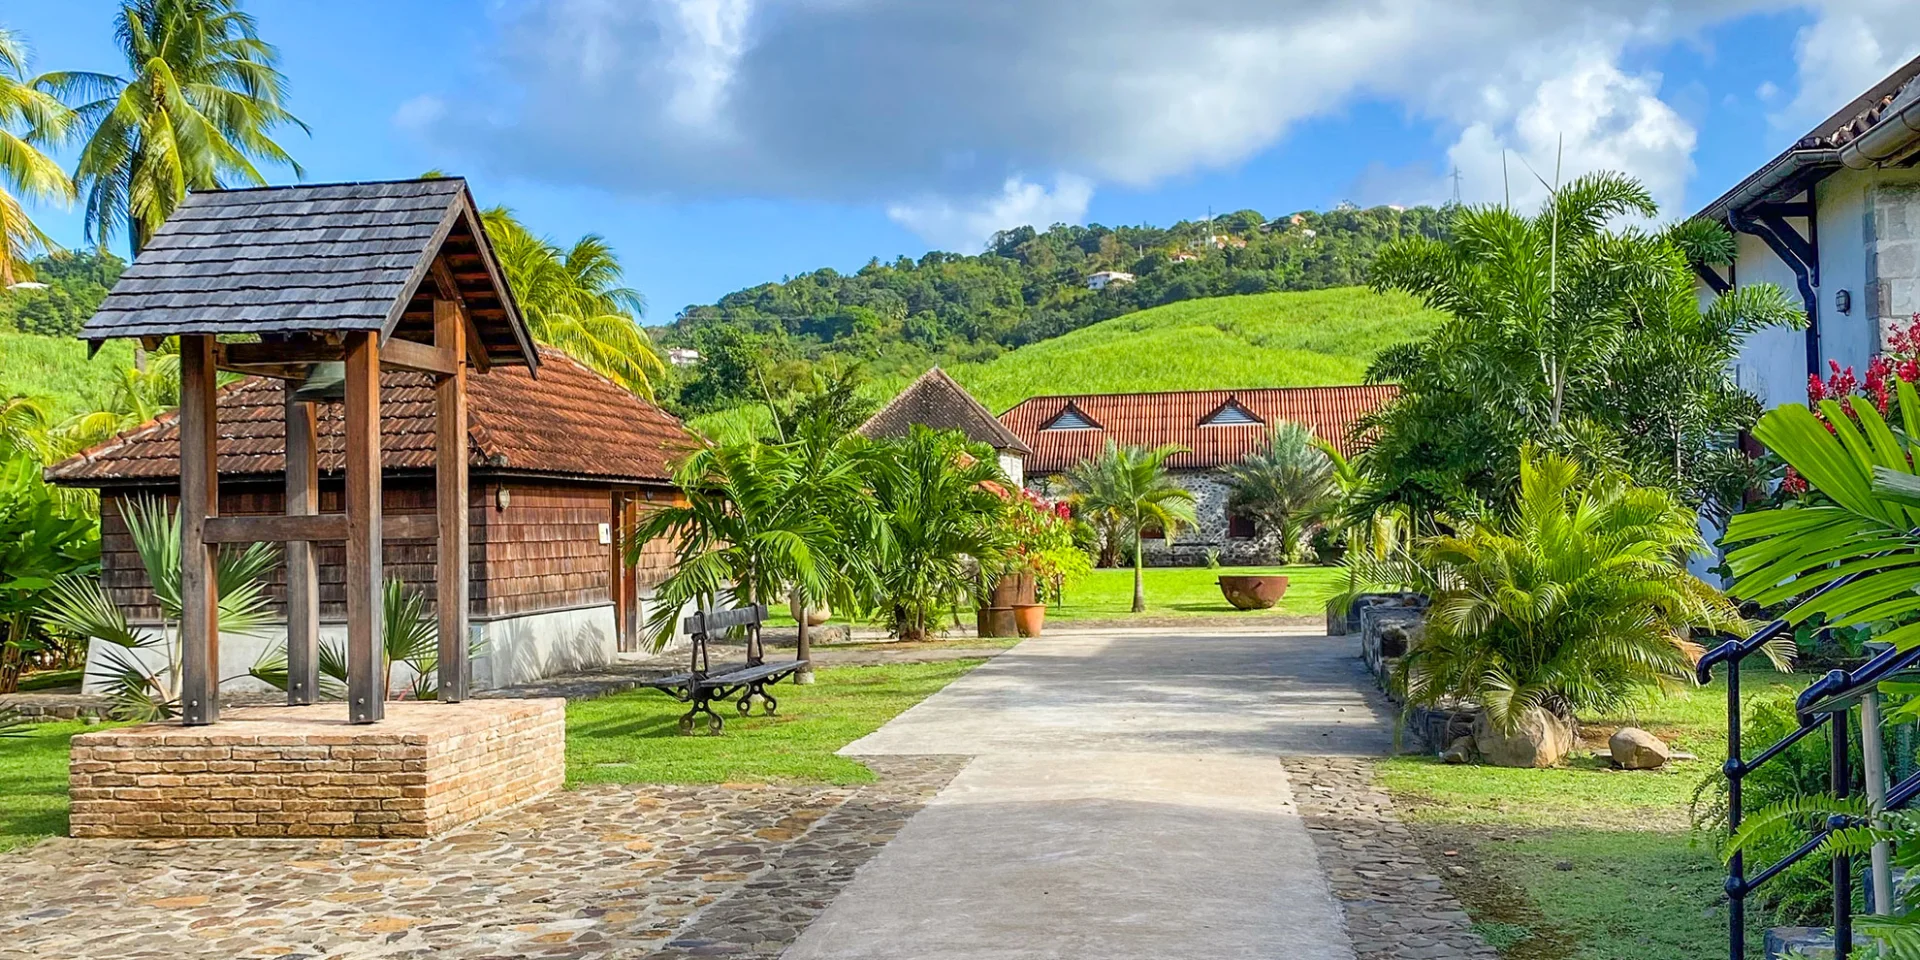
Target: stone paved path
1127,799
599,872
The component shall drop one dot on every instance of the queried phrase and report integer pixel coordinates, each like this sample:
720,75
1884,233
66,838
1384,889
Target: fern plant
1854,827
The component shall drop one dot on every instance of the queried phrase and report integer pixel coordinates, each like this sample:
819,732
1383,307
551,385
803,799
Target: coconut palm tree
1284,487
29,117
195,111
573,300
1127,489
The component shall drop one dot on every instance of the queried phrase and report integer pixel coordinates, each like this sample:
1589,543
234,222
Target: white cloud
1848,48
954,115
965,225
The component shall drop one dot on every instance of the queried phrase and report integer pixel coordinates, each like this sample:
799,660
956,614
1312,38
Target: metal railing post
1736,865
1842,864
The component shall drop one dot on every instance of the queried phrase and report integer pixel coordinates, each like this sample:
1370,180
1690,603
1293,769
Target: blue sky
720,143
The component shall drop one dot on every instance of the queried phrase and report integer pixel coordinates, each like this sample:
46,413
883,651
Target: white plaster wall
1851,337
1772,365
1014,466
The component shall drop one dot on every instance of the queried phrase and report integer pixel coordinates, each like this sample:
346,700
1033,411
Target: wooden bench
702,685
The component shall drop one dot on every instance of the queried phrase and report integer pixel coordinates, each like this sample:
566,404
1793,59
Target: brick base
306,772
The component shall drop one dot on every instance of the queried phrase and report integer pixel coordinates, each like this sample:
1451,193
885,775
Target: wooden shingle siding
543,551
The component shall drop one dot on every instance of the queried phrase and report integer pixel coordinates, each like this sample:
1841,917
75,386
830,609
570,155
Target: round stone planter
815,615
1253,592
1030,618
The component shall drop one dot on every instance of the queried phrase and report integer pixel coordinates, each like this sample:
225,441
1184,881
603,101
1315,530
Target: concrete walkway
1125,800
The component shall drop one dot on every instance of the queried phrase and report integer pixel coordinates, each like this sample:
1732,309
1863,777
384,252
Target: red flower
1794,483
1816,389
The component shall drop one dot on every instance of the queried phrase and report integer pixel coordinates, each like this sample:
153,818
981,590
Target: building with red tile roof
1217,427
559,466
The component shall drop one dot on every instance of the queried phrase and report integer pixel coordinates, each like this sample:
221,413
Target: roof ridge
264,187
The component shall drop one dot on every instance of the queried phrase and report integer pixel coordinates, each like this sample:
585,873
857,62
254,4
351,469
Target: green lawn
33,782
1192,592
631,737
1585,862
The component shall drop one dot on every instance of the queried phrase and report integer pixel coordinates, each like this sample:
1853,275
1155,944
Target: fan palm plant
195,110
573,301
410,637
944,520
1284,487
142,664
1127,489
29,119
1574,599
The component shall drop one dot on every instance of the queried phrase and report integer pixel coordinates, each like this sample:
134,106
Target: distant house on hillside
936,400
1183,256
1835,220
683,356
1106,278
1218,427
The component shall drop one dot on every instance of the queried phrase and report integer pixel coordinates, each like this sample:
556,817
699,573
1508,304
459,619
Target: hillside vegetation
56,369
897,318
1316,338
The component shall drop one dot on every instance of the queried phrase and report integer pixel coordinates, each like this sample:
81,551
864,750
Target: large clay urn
1253,592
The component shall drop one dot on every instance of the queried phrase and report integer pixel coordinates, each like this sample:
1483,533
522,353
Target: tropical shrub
410,637
1285,487
1043,543
1575,598
1124,492
142,664
43,538
940,499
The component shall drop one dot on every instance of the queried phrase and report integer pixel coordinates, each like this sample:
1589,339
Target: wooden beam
303,581
366,680
316,528
412,355
450,502
276,371
278,353
321,527
717,620
199,502
450,290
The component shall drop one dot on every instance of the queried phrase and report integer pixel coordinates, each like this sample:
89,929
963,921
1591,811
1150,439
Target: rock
1636,749
1538,739
1459,751
1563,865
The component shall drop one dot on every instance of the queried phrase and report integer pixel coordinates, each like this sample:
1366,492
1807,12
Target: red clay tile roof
935,400
1151,419
571,422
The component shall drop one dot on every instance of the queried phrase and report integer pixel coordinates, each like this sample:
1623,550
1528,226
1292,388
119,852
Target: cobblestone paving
604,871
1396,906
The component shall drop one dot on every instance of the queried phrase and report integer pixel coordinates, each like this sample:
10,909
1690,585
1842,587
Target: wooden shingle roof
936,400
570,423
319,258
1152,419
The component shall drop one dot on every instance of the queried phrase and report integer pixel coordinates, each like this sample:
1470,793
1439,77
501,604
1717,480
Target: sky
723,143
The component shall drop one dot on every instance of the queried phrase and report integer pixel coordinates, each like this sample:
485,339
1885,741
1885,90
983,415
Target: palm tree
1127,489
572,300
943,519
194,112
28,117
1283,487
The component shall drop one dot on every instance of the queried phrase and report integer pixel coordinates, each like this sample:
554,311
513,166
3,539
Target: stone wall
305,772
1892,235
1190,546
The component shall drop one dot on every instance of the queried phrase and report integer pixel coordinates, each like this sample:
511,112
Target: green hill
1313,338
57,370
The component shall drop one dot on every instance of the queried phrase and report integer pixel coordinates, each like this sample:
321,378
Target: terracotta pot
815,616
1252,592
1030,618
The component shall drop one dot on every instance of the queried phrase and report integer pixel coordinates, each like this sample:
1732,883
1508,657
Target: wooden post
450,502
199,499
366,671
303,585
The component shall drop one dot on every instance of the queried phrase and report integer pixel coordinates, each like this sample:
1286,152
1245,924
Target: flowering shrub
1043,542
1899,363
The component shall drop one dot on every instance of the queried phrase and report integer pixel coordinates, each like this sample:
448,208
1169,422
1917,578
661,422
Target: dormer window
1071,419
1231,414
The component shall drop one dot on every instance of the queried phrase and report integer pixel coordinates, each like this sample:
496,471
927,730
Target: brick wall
301,772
